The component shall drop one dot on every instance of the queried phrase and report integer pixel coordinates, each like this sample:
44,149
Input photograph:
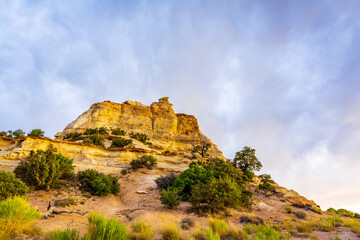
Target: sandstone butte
172,136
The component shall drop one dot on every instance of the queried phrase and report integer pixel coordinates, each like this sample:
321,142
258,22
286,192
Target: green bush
118,131
266,183
194,175
10,186
95,139
67,234
43,169
36,133
170,198
288,209
97,183
218,195
91,131
142,137
120,142
163,182
101,228
147,160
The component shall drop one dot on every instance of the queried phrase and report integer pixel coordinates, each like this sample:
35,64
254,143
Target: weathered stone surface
167,130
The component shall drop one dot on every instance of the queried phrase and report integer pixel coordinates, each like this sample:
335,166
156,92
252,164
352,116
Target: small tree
18,133
36,133
247,161
202,149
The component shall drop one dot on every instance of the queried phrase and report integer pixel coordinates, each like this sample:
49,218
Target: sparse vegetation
120,142
187,223
36,133
95,139
142,137
10,186
94,131
163,182
266,232
43,169
147,160
73,135
97,183
118,131
170,231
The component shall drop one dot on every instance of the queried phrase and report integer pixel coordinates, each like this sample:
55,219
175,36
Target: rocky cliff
167,130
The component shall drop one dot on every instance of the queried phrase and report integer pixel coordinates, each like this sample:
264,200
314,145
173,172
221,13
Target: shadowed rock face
167,130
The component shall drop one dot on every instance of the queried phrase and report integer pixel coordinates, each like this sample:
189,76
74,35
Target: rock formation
167,131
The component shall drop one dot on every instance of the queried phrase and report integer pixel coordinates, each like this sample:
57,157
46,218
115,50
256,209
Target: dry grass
141,230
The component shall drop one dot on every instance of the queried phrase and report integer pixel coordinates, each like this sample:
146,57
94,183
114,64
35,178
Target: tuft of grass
235,233
170,231
141,231
17,216
300,214
305,227
67,234
266,232
218,226
353,224
211,234
105,229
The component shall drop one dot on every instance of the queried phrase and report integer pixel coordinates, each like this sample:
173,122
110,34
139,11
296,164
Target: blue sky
279,76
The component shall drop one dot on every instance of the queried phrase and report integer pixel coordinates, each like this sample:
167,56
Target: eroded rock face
167,130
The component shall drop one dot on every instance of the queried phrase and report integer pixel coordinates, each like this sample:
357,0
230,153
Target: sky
279,76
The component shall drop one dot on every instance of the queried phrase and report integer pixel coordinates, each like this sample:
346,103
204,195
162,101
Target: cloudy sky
279,76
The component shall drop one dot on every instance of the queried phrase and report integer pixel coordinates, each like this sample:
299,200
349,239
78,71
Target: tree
36,133
247,161
202,149
18,133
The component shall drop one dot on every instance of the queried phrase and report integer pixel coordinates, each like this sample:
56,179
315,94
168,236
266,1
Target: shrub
163,182
170,198
170,231
65,202
67,234
10,186
103,130
36,133
142,231
194,175
105,229
266,232
142,137
147,160
120,142
91,131
266,183
43,169
218,194
16,216
288,209
251,219
18,133
187,223
300,214
98,183
118,131
95,139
